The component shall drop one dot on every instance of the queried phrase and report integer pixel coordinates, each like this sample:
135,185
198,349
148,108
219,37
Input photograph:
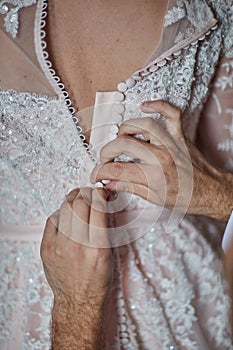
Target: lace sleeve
215,135
216,125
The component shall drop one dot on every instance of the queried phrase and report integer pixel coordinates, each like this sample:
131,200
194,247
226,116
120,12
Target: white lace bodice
44,156
189,63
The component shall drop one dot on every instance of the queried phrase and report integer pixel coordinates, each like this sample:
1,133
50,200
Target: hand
79,275
170,170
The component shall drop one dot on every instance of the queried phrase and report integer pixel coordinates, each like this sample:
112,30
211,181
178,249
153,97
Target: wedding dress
168,290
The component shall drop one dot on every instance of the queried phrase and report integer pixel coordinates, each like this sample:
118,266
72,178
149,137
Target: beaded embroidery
33,151
12,14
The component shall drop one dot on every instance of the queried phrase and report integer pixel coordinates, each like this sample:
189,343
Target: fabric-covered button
119,97
122,87
114,129
117,118
130,82
153,68
162,63
118,108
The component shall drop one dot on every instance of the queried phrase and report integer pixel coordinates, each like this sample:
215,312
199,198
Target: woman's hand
169,170
79,275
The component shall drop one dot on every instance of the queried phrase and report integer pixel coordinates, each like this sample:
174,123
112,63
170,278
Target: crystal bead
4,9
132,307
13,18
122,87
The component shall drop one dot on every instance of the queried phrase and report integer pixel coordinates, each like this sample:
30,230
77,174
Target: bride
167,289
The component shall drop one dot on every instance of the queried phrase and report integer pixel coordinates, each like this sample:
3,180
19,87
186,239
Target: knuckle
45,253
58,252
117,168
72,194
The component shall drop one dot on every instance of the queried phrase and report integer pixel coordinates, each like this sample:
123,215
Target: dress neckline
50,74
160,59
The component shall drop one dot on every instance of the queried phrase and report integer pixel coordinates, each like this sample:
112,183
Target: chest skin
94,45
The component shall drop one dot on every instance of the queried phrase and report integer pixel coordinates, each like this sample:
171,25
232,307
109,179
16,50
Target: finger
49,237
128,146
120,171
148,127
130,187
170,112
98,232
143,191
73,223
71,195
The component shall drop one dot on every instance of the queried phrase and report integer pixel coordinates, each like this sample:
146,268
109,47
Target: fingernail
145,103
146,106
105,182
99,185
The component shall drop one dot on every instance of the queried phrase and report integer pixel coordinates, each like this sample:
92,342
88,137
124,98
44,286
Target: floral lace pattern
38,140
12,14
172,294
25,298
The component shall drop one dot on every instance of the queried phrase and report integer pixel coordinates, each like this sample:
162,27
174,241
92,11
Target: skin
100,29
80,276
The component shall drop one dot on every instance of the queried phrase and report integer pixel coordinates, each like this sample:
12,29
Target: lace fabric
172,293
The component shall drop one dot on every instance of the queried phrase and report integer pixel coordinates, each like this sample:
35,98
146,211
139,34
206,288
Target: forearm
213,189
223,202
77,326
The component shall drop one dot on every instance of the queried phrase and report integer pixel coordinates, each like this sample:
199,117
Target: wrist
77,323
222,197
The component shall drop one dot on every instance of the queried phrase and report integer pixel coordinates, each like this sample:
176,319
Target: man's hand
79,275
169,170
